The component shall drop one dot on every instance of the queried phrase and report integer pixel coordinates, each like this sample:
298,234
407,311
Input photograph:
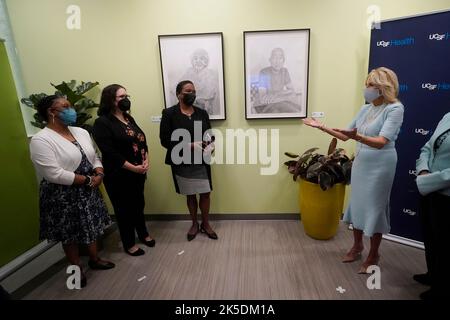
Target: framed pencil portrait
198,58
276,66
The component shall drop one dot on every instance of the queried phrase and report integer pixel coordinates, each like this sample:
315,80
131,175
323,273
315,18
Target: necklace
65,134
188,114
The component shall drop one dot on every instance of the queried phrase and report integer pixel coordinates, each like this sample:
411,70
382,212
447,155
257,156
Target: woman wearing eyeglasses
125,158
71,208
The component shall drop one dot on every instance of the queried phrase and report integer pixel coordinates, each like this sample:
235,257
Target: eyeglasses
123,96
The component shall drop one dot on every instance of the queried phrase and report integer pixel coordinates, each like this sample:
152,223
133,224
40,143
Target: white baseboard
405,241
27,266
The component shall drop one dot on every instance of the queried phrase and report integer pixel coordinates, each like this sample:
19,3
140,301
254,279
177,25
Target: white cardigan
56,158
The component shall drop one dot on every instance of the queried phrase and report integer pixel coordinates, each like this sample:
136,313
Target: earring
53,118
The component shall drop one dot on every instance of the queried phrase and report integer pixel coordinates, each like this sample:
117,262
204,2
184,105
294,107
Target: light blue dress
373,169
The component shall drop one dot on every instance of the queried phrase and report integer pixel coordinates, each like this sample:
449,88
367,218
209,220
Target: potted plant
321,188
75,94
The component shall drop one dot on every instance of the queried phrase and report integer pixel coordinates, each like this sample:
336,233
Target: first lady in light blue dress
375,128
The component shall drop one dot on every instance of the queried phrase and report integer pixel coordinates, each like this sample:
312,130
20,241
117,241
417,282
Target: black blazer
114,143
172,119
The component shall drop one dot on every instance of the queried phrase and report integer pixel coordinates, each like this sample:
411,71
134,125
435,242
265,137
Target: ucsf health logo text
439,36
409,41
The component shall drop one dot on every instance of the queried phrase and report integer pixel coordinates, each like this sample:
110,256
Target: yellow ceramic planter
320,210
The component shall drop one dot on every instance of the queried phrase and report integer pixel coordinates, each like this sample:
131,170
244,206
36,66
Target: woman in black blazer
191,173
125,159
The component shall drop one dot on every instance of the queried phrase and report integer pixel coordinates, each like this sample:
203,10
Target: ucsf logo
383,43
437,36
409,211
413,172
429,86
422,131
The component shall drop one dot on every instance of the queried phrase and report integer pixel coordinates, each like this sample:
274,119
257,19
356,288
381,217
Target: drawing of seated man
275,92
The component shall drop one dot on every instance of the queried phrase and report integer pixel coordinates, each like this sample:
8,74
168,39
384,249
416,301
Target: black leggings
126,192
435,218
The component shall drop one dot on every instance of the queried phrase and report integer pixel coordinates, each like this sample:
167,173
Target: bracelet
88,181
100,174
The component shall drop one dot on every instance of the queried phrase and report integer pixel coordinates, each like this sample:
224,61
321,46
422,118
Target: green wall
118,42
19,219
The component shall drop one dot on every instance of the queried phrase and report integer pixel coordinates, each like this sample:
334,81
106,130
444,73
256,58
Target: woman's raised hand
313,123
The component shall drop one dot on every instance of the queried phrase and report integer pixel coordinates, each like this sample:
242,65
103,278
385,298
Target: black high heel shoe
191,237
148,243
138,252
211,235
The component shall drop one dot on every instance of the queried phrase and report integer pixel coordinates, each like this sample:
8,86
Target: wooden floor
251,260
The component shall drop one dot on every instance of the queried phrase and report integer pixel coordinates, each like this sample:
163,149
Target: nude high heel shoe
352,255
365,266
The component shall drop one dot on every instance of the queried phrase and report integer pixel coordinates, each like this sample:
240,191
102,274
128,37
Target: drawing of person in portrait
206,82
274,91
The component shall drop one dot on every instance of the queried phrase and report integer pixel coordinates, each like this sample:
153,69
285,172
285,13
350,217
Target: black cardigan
116,146
172,119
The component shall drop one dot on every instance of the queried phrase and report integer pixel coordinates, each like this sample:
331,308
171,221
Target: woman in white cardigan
433,182
71,207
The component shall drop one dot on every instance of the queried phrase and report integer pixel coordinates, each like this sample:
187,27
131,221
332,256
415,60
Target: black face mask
189,98
124,104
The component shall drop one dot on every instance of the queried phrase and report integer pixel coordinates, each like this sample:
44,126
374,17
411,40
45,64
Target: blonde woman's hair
385,80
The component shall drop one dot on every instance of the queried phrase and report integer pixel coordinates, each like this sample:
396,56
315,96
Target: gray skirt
191,179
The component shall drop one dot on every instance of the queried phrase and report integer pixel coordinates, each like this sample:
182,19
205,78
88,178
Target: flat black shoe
423,278
138,252
150,243
104,265
191,237
211,235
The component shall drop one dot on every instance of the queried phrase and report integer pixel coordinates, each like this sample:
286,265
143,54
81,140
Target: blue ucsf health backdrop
418,50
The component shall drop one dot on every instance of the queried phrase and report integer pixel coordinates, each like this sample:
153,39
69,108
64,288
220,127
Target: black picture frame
197,57
276,73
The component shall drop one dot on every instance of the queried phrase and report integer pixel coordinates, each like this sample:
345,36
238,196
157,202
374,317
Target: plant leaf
313,170
309,151
27,102
332,146
84,103
85,87
35,98
67,90
325,180
291,155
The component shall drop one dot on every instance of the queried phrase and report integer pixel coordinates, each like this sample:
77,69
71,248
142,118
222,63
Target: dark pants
126,192
435,218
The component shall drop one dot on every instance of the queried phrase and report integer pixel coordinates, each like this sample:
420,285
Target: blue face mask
68,116
371,94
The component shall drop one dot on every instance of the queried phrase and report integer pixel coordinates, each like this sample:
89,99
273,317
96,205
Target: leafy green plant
325,170
72,92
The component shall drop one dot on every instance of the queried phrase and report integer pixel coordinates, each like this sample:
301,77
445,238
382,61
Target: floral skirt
71,214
